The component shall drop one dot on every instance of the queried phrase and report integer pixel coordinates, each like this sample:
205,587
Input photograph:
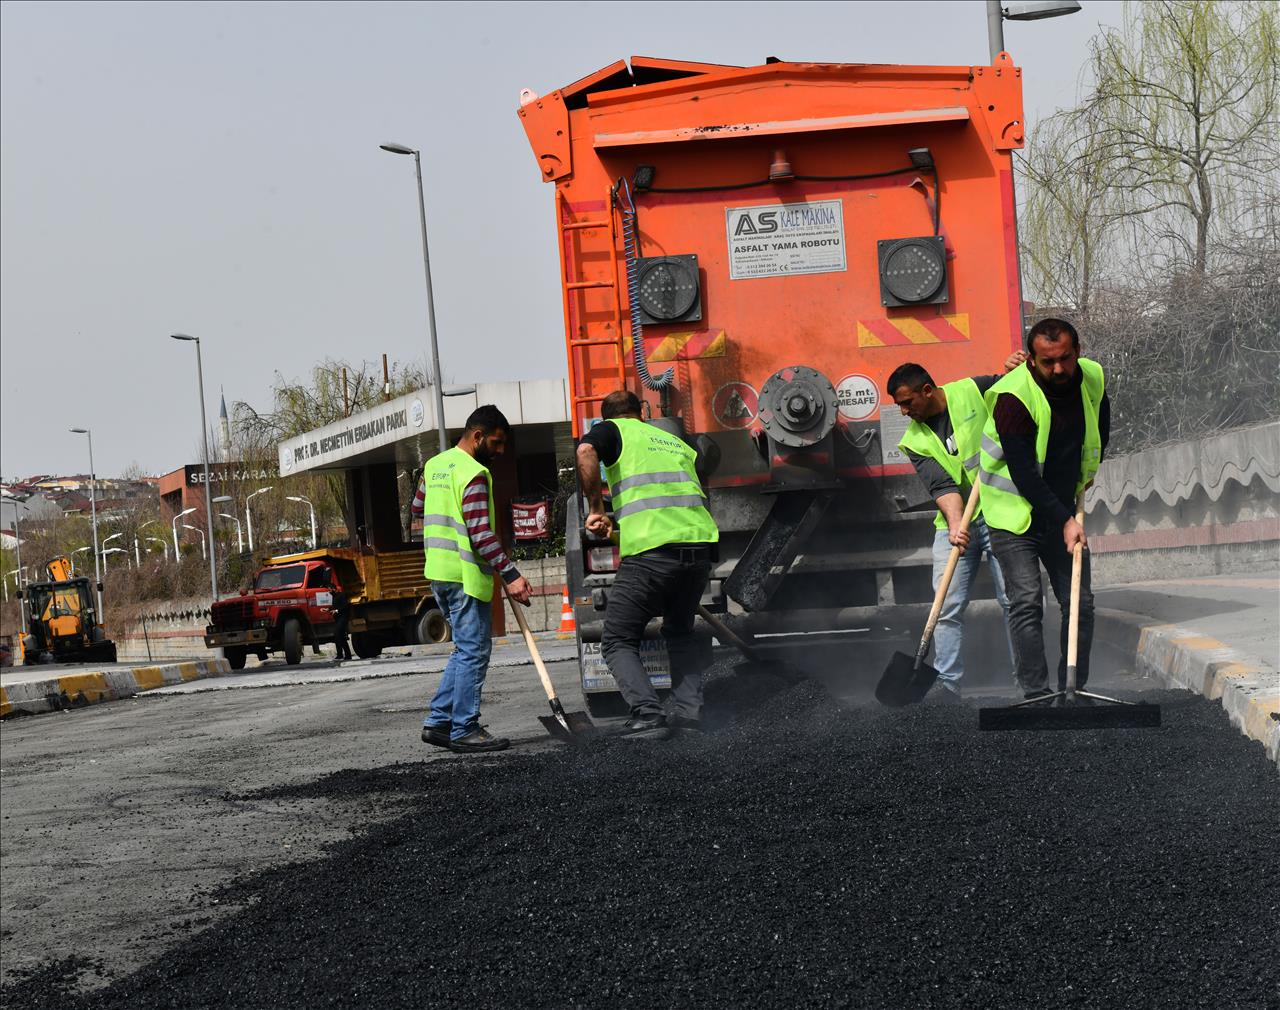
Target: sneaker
479,741
437,736
645,724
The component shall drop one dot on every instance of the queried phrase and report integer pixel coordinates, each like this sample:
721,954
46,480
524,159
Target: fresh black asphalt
803,855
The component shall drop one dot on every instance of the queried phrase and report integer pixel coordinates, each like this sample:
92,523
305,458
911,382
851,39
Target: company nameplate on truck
774,240
653,654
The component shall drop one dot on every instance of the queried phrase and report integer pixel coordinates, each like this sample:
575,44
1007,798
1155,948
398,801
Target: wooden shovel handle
945,582
1073,623
533,646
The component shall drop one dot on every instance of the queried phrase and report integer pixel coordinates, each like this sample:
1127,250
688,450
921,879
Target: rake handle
945,582
533,649
1073,620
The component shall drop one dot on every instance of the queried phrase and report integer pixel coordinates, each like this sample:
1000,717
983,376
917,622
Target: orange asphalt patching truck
781,237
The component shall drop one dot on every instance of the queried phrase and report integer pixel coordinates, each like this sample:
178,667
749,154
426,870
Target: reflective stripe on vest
445,541
657,497
1003,504
968,413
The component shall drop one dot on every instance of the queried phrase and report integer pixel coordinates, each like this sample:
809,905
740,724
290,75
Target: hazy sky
214,169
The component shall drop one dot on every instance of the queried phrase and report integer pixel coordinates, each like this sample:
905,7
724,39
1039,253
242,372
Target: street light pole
184,512
995,29
208,493
239,529
248,516
197,529
437,380
163,546
1028,10
93,511
306,502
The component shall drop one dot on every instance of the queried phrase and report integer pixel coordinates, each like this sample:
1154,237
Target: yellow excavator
62,621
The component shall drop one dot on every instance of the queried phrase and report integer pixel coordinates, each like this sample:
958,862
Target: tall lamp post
184,512
997,14
105,552
304,501
197,529
164,545
93,511
208,494
111,550
248,516
77,551
239,528
431,307
1032,10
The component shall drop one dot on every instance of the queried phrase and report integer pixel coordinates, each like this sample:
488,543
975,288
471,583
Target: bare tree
1069,211
1183,113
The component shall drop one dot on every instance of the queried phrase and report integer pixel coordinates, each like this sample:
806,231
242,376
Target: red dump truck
290,605
753,250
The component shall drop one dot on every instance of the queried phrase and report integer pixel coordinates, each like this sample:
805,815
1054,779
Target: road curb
1247,687
76,690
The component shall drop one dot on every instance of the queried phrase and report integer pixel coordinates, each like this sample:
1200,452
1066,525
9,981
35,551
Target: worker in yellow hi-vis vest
1042,445
942,443
667,540
459,536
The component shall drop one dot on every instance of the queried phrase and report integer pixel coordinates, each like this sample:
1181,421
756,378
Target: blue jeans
948,636
457,700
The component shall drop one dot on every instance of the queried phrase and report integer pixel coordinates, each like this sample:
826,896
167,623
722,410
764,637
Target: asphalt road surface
230,845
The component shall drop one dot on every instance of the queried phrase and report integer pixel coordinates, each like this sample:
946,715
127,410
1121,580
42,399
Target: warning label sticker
790,238
893,425
735,404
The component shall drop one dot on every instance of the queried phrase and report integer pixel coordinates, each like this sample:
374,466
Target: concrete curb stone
1247,687
75,690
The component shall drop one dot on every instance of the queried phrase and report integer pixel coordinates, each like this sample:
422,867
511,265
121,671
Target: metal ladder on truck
581,334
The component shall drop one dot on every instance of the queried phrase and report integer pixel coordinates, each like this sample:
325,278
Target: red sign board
531,520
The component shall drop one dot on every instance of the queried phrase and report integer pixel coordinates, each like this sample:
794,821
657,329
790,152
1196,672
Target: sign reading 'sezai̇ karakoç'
791,238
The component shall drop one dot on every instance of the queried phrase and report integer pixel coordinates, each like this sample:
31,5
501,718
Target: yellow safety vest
449,557
968,413
657,497
1002,503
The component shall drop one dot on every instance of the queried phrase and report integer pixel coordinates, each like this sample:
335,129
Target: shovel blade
903,683
570,726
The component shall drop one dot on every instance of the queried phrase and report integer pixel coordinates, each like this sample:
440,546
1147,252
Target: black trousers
1020,557
341,619
650,585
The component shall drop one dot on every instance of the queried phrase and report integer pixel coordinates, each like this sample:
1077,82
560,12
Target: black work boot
479,741
645,724
437,736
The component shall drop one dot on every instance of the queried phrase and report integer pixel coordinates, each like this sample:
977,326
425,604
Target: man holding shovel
666,539
462,553
942,443
1049,425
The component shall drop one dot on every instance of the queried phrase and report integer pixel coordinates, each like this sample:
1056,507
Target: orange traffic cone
567,623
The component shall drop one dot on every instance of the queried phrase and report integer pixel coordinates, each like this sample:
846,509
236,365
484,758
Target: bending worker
942,443
463,552
666,537
1049,424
